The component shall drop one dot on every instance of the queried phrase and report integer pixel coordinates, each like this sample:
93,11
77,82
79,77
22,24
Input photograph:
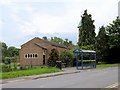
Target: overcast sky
22,20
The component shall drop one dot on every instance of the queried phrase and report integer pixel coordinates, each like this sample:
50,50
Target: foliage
66,57
107,43
9,51
87,30
6,68
101,45
7,60
67,43
12,51
113,32
10,67
4,49
44,38
58,40
53,57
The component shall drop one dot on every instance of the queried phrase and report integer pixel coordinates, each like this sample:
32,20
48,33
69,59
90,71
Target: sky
22,20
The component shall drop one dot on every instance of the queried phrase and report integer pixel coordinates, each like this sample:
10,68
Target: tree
53,57
61,41
12,51
113,32
57,40
66,57
86,30
4,50
44,38
67,43
101,45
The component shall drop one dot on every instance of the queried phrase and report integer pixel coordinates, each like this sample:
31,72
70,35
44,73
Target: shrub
7,60
66,57
6,68
53,57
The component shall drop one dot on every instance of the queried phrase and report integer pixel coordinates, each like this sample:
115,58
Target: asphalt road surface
99,78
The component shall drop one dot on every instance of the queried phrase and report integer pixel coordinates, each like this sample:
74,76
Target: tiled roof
53,43
48,42
40,46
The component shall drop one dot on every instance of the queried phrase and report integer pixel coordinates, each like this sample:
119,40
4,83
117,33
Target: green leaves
113,31
53,57
44,38
87,30
66,57
101,45
12,51
9,51
107,42
58,40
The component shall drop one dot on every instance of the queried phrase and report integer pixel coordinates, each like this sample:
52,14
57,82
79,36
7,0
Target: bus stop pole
90,60
95,60
82,61
77,61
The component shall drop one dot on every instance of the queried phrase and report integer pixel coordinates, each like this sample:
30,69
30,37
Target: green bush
7,60
66,57
6,68
53,57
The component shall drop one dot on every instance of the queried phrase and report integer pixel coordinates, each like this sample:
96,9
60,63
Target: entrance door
43,59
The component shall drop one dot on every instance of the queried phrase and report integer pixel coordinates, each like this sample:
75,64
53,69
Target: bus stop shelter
92,63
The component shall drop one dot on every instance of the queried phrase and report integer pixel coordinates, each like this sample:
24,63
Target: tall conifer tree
101,45
86,30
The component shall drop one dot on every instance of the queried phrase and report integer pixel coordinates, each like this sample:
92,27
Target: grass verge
7,75
106,65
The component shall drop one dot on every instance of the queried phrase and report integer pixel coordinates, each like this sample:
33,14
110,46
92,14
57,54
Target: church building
36,51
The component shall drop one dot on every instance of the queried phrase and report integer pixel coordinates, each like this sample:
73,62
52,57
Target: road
99,78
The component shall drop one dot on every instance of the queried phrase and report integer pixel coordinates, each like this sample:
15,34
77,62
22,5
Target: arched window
36,55
33,55
30,55
26,55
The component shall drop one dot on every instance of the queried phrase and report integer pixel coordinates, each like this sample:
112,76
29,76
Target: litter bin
59,64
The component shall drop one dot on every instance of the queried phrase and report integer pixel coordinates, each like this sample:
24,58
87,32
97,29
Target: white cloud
29,9
29,18
1,30
43,24
47,23
102,11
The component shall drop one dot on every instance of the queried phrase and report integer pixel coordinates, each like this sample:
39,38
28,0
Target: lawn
14,74
106,65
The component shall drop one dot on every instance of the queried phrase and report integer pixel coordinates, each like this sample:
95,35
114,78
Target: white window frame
30,55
